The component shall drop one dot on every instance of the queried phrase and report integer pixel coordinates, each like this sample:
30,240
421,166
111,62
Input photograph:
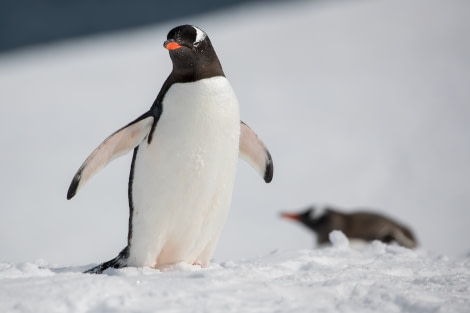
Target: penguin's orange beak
171,45
291,216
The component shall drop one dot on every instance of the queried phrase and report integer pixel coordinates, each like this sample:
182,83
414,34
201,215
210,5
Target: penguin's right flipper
116,145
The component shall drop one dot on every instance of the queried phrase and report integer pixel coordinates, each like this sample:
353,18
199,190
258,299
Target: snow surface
361,103
379,278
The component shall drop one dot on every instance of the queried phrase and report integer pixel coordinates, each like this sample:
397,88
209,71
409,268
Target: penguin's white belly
183,181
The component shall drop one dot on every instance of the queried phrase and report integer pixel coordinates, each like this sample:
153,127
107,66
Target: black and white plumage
185,154
363,225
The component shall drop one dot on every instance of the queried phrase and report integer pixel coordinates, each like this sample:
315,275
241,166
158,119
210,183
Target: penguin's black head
192,53
310,217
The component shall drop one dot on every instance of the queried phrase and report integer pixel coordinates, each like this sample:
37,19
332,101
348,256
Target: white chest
183,180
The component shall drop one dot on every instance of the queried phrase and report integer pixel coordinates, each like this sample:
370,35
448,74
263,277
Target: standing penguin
185,155
362,225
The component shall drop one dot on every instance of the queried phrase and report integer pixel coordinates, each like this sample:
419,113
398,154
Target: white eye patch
200,35
318,212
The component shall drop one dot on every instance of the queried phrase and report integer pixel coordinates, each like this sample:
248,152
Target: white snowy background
363,104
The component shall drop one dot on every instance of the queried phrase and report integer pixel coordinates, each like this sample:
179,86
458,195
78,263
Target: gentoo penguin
357,225
186,149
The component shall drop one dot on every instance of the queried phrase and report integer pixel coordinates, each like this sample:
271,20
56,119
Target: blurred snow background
361,103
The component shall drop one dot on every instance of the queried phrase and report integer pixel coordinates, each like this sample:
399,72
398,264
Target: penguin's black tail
118,262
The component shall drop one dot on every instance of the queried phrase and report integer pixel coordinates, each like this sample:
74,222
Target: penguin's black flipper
116,145
253,150
117,262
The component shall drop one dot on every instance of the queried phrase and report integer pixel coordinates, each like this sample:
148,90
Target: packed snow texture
363,104
378,278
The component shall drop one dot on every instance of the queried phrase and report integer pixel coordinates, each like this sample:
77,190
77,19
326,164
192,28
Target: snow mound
339,240
377,278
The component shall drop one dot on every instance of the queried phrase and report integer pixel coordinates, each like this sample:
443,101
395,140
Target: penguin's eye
196,44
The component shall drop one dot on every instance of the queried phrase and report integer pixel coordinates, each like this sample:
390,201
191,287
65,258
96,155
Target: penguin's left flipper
253,151
116,145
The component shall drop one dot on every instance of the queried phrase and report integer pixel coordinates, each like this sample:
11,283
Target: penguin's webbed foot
117,262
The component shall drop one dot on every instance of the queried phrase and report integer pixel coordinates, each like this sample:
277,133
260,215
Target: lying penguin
361,225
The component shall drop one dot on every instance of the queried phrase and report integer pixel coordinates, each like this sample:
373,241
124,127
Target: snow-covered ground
378,278
361,103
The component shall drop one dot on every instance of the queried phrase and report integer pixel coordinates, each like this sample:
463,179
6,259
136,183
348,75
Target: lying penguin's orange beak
171,45
291,216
